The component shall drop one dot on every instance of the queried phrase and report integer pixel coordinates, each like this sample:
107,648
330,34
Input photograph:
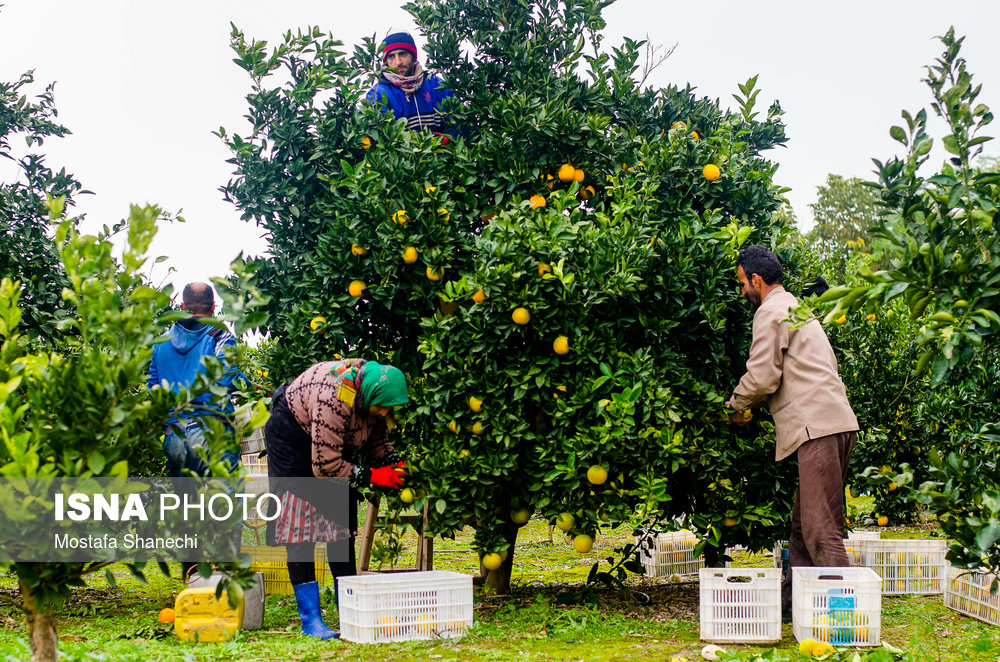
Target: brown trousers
817,536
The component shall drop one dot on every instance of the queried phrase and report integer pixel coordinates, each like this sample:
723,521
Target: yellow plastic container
202,618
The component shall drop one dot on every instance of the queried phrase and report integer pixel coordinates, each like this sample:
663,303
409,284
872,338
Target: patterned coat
326,401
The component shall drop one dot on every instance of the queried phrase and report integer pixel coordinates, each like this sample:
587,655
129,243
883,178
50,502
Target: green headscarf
383,385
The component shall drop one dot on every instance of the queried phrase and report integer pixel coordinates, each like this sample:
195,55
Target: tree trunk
41,627
498,581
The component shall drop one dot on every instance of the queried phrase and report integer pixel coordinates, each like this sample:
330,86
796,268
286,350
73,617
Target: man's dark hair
759,260
198,299
817,286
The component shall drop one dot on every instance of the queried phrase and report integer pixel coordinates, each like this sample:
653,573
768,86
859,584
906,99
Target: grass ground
120,623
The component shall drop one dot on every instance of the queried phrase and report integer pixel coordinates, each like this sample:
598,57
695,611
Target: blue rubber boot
307,600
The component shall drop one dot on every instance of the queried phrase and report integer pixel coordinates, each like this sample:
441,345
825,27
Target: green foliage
846,213
27,252
83,409
637,275
943,236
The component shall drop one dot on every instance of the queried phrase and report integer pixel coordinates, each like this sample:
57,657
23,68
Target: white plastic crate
255,466
740,605
841,606
853,551
670,553
906,566
969,593
404,606
253,442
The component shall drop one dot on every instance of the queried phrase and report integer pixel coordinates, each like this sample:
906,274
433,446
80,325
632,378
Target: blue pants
181,450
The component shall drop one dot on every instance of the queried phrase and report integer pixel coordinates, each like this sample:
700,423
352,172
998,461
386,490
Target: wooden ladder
425,545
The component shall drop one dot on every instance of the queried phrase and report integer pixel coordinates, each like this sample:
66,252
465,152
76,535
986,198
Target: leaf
898,134
988,535
440,505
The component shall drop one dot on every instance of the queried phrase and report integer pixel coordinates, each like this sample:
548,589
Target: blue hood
188,334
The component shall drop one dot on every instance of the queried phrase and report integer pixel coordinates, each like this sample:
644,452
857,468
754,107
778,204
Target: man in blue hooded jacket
406,89
176,364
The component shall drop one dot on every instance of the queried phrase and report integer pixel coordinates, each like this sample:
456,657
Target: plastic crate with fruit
853,552
906,566
670,553
840,606
272,562
968,592
740,605
404,606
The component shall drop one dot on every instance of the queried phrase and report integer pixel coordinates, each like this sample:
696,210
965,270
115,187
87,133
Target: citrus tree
557,280
942,233
80,408
27,252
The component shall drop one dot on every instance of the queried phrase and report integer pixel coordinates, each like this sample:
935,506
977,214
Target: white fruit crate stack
850,546
969,593
404,606
255,466
841,606
253,442
740,605
906,566
670,553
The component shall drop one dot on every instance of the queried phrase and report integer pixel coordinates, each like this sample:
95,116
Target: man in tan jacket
795,372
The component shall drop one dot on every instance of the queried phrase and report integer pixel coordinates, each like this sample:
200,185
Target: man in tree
795,371
405,88
175,365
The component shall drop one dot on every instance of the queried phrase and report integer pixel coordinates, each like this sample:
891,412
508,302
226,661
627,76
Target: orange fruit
549,179
430,189
409,255
565,521
444,212
434,274
587,192
694,134
520,316
578,175
597,474
492,561
479,296
399,217
821,648
730,521
406,495
711,172
583,543
477,428
678,125
567,173
356,288
561,345
543,268
883,520
537,201
520,517
358,250
366,143
892,487
475,404
453,426
317,322
166,615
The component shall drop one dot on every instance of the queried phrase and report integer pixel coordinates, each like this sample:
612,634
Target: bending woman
325,423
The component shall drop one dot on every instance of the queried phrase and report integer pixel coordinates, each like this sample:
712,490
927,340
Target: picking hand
391,476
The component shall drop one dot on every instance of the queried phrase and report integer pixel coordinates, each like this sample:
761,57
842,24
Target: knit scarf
408,84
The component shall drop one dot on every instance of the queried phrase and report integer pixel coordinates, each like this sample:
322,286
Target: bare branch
656,54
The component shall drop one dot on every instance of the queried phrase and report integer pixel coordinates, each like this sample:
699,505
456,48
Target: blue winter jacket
178,361
421,110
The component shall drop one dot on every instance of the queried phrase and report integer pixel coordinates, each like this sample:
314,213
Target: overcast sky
143,84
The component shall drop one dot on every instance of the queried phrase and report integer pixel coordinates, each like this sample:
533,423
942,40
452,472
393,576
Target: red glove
444,139
391,475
